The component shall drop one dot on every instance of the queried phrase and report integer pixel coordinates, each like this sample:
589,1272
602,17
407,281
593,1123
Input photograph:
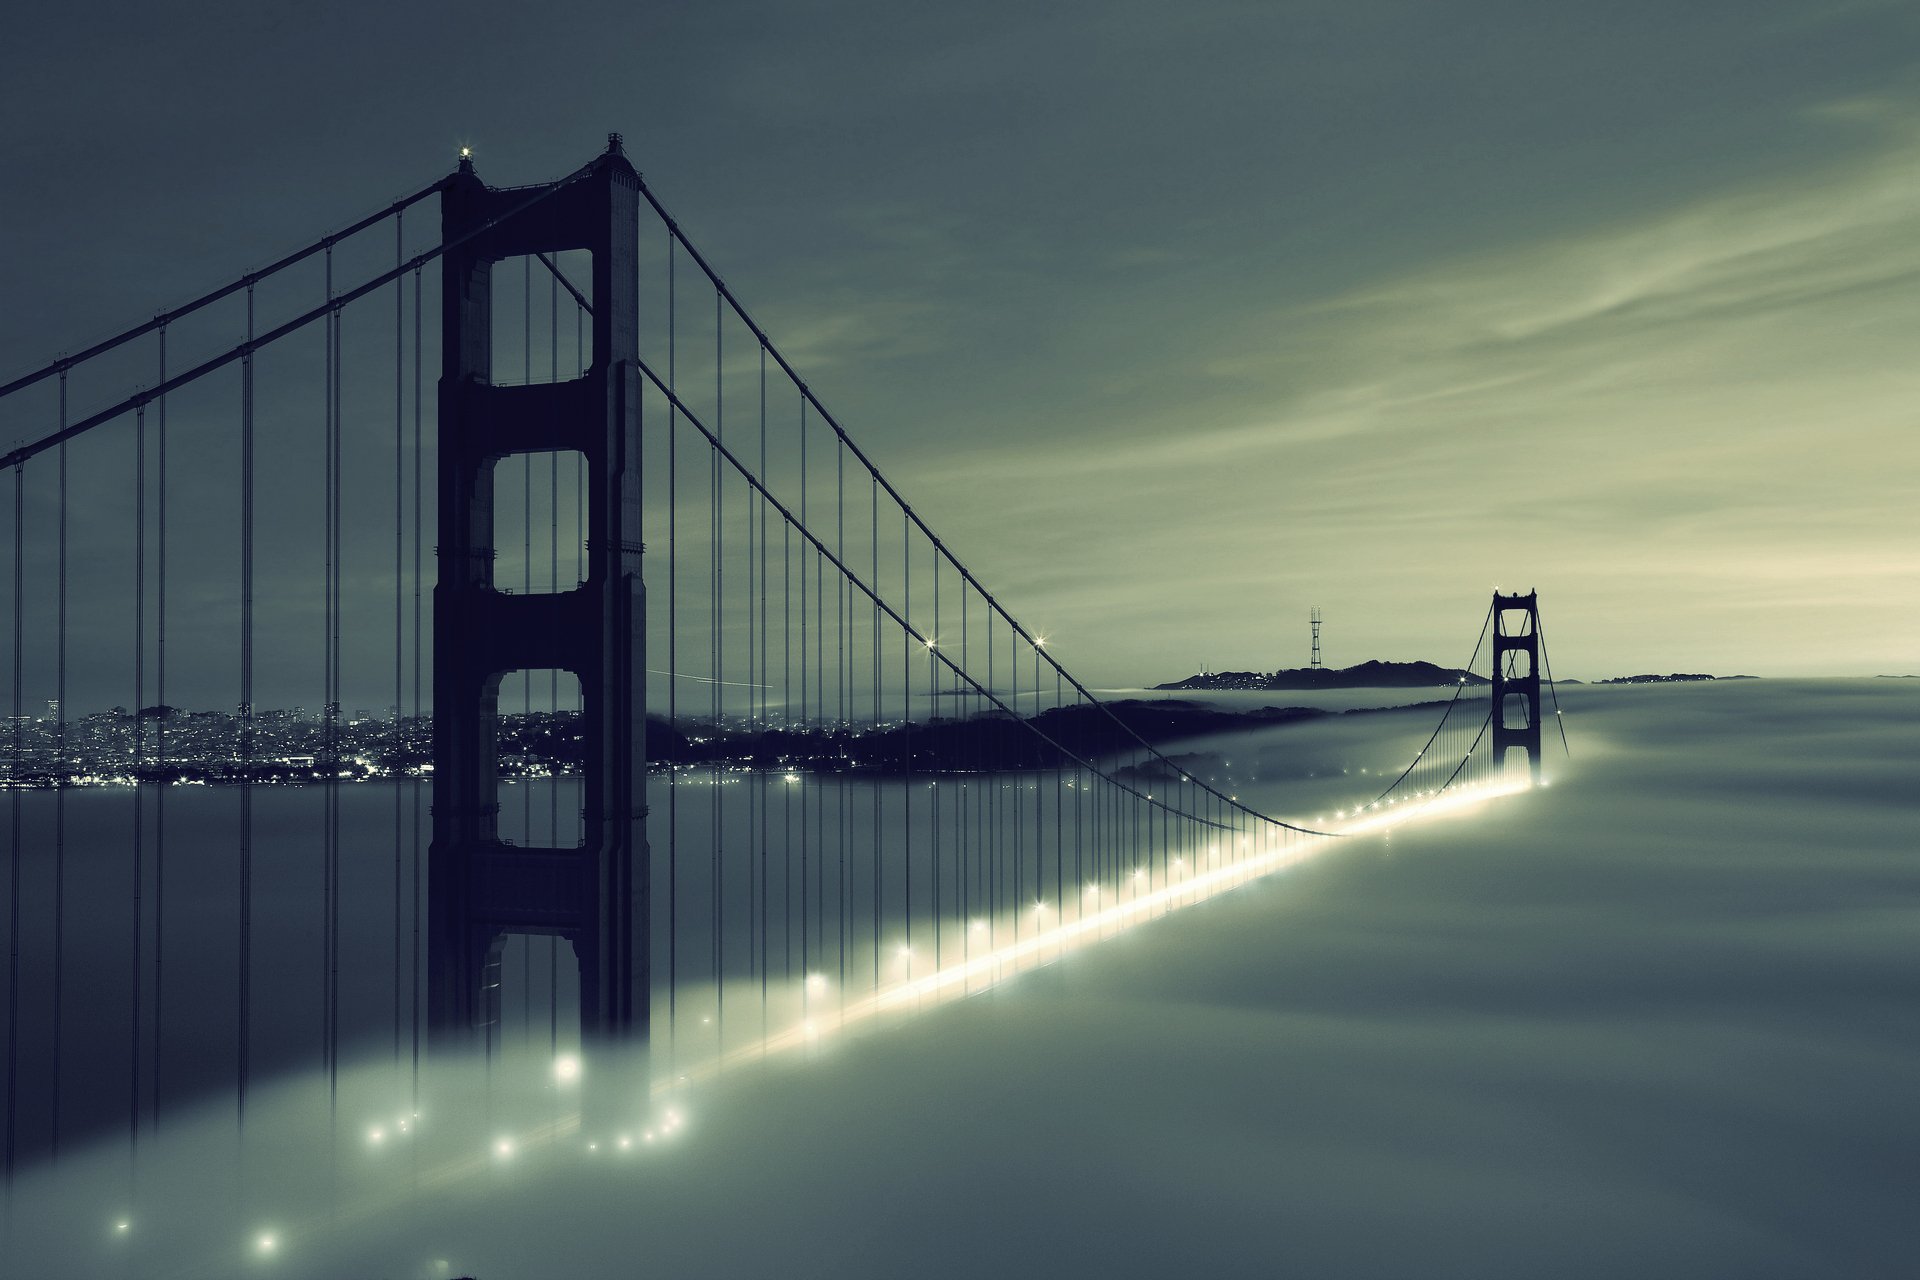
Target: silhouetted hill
980,743
1367,675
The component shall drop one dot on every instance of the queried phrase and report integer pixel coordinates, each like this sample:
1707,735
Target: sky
1174,322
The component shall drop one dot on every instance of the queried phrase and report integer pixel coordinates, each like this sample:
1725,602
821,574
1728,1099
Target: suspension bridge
646,710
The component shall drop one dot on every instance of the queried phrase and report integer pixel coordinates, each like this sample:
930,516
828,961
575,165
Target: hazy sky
1173,320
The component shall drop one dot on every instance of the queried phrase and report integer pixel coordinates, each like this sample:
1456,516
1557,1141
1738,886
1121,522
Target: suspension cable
1552,692
679,237
882,607
165,318
294,325
1458,689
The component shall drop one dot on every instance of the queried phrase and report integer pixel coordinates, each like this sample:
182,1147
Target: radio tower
1315,664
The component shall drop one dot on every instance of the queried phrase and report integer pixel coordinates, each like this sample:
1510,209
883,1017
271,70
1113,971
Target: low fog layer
1657,1019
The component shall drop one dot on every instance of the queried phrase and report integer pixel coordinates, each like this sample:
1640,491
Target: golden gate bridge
697,737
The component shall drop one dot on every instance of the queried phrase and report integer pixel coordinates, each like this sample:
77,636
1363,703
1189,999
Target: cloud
1704,396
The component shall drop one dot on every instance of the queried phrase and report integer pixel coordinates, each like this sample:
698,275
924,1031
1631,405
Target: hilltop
1367,675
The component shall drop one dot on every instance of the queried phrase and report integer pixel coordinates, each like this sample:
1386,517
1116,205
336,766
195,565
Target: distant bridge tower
1314,664
1516,678
480,890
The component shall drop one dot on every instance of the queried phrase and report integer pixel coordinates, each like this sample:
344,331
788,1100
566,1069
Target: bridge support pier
480,889
1516,679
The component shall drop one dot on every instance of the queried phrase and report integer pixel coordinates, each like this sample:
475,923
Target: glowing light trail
986,968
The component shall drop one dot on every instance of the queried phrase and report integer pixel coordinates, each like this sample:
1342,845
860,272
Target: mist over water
1659,1018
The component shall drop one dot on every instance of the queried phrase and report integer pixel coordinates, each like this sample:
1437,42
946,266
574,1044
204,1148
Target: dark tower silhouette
1314,663
1516,678
480,890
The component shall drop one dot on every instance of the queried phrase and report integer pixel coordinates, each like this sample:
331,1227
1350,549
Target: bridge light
266,1242
1039,642
466,153
503,1148
566,1068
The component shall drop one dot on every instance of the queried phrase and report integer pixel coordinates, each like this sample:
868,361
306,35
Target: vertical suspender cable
906,731
61,778
673,660
13,844
526,587
139,752
160,738
1059,817
820,807
553,673
414,726
716,666
765,685
394,752
843,678
330,787
878,852
1019,790
806,936
326,682
244,960
787,721
933,709
339,693
1552,692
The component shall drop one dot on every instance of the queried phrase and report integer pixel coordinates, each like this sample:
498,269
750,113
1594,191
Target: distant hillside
1368,675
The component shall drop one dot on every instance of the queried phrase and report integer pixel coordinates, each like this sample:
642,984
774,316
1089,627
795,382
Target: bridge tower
1516,692
480,889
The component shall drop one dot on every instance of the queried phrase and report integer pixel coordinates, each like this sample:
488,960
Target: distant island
1367,675
1675,678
